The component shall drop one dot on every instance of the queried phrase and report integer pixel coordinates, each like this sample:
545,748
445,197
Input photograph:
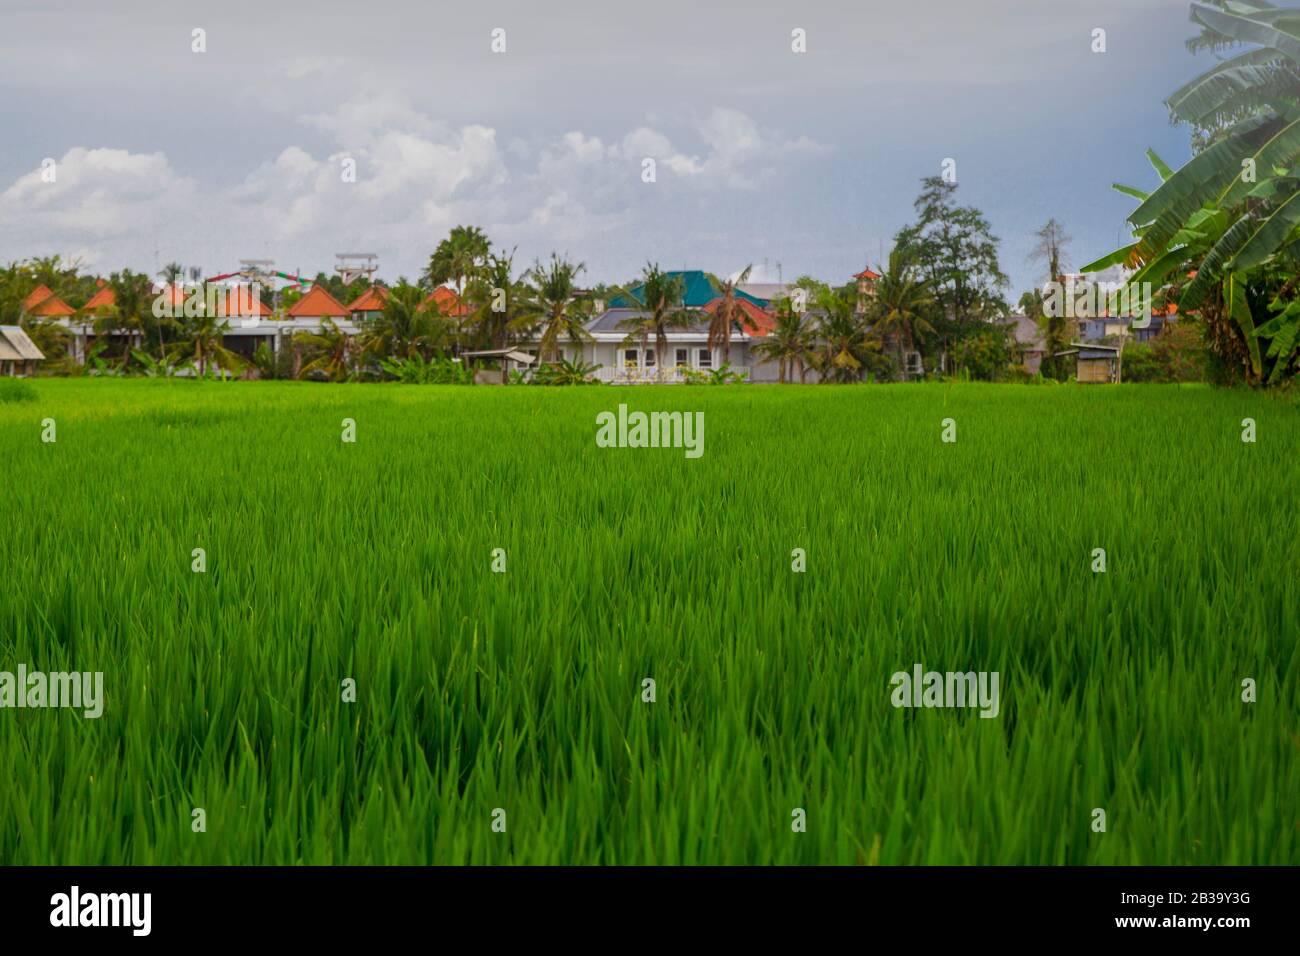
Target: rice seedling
432,644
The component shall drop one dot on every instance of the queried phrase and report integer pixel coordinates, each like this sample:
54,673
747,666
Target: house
768,291
246,316
448,302
1030,342
316,306
18,353
1095,363
44,304
369,304
626,362
104,299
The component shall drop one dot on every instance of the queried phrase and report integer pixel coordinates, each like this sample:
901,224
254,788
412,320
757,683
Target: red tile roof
757,323
46,304
372,300
447,301
867,274
239,301
317,304
102,299
38,295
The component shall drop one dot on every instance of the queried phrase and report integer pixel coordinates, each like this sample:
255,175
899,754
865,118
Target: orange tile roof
46,304
372,300
238,301
867,274
39,294
102,299
317,304
757,323
447,301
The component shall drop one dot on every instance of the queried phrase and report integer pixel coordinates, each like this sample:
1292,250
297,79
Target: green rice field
500,716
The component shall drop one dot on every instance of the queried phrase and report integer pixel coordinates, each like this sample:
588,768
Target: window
913,363
649,358
630,359
706,359
683,358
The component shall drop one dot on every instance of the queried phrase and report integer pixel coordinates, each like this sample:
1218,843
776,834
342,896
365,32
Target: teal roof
698,294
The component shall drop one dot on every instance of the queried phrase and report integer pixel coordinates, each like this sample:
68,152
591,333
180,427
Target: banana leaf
1210,272
1234,299
1246,30
1270,235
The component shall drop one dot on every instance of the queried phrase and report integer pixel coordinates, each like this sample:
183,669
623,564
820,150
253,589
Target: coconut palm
329,352
847,343
901,307
789,343
729,315
201,341
497,302
555,306
461,256
405,327
660,297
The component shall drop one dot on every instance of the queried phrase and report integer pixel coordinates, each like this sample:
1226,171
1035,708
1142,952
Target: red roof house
447,302
372,300
104,298
317,304
756,323
46,304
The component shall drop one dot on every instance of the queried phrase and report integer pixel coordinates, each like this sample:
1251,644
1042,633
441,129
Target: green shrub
16,390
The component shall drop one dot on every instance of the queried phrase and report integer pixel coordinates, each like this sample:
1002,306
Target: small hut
504,357
18,353
1095,363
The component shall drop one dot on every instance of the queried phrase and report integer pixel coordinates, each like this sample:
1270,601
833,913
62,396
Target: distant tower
353,265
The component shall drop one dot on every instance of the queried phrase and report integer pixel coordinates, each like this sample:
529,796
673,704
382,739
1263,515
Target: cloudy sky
804,162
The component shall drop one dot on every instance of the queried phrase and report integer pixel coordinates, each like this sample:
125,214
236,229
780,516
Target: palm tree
903,301
554,304
790,342
330,352
846,340
172,273
660,298
460,256
729,314
406,326
201,340
497,302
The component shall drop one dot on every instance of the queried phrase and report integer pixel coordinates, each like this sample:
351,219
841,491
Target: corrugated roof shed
16,340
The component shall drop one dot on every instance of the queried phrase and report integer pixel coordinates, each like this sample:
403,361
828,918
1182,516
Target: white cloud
415,178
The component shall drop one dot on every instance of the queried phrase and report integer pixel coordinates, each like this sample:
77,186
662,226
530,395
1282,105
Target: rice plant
432,644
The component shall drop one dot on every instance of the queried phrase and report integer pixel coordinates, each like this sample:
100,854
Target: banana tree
1221,235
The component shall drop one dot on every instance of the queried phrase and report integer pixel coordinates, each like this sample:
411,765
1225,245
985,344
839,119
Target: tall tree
903,307
660,297
1049,252
555,305
955,248
497,301
729,315
847,347
789,343
459,257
